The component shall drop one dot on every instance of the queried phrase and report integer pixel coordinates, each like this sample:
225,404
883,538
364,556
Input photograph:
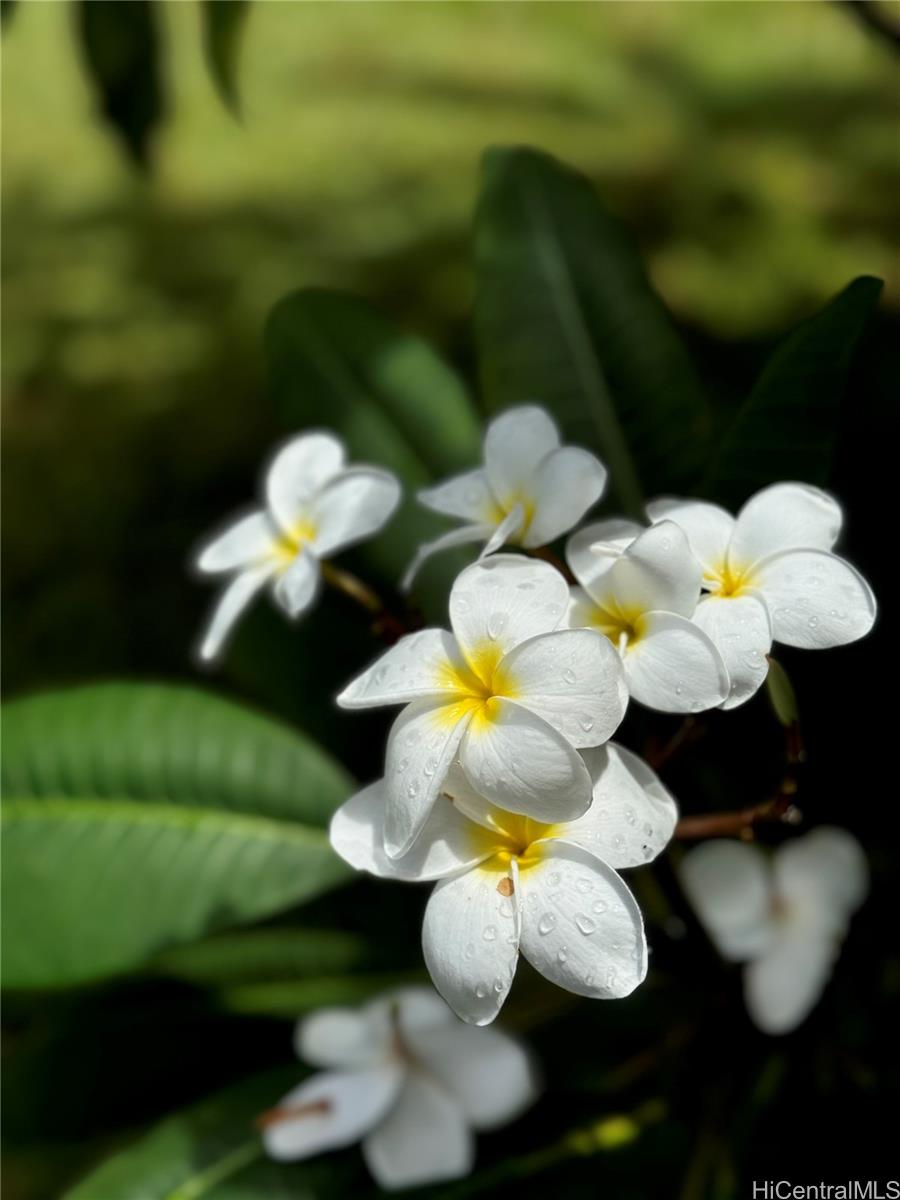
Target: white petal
449,841
231,604
352,1102
815,599
341,1038
785,516
581,927
419,666
514,445
424,1139
573,679
590,552
489,1073
673,666
352,507
252,539
783,984
567,483
454,537
504,600
297,472
739,628
422,743
296,588
470,942
521,764
632,816
822,877
708,527
468,496
507,531
657,572
418,1010
729,885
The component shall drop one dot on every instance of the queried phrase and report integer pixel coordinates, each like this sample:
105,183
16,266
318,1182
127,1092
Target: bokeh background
752,149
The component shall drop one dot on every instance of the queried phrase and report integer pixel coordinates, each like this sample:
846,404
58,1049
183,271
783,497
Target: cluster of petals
315,505
405,1077
508,884
784,917
530,491
770,574
507,694
640,587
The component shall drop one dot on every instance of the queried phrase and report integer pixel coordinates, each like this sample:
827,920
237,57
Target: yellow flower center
727,579
479,682
289,544
622,624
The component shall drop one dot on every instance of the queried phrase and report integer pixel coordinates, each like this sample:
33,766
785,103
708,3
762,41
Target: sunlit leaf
223,25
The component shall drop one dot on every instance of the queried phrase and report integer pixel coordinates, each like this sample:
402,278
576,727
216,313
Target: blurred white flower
407,1078
785,917
507,693
529,492
315,506
770,574
640,587
509,884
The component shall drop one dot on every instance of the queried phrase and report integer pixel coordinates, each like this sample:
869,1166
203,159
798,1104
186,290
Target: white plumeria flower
315,506
508,693
406,1077
640,587
785,917
529,492
509,884
770,575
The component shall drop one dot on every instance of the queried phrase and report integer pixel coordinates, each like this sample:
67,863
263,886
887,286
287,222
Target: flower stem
384,624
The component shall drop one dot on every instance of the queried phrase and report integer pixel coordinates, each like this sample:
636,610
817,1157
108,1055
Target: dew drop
813,622
499,985
470,950
546,924
599,906
584,886
481,990
568,675
496,624
562,954
430,767
610,977
679,689
555,879
586,723
618,841
585,924
379,675
630,815
402,765
490,933
413,789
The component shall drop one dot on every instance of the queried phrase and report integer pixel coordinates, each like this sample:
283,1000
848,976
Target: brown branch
291,1112
547,555
385,624
780,808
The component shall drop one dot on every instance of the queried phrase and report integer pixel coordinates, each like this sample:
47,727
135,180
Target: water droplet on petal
413,789
813,622
562,954
630,815
584,886
490,933
499,985
470,950
568,675
585,924
481,990
599,906
496,624
555,879
547,923
586,723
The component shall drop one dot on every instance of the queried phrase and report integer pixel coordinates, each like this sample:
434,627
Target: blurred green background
752,149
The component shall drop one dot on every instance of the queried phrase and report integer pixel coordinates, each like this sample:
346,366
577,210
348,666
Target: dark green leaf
223,24
166,743
264,955
565,315
214,1151
335,362
288,999
121,51
787,427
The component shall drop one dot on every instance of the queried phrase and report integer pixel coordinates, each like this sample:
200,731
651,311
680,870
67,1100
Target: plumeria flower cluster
783,917
405,1077
315,506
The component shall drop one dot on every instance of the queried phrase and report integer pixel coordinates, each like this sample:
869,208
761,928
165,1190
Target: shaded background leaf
223,27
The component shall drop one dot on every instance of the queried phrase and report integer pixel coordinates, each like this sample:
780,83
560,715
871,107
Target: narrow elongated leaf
223,25
288,998
165,742
334,361
122,56
565,315
264,955
213,1151
95,887
787,428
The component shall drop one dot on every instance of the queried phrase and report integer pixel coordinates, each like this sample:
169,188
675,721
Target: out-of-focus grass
751,147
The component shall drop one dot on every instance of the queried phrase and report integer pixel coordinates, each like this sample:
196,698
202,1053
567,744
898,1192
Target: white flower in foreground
406,1077
785,917
315,506
529,492
640,588
507,693
770,575
509,884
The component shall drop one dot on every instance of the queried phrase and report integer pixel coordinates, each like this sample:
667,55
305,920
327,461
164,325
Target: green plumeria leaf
334,361
264,955
565,316
787,427
782,696
121,50
289,998
137,818
223,25
166,743
214,1152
